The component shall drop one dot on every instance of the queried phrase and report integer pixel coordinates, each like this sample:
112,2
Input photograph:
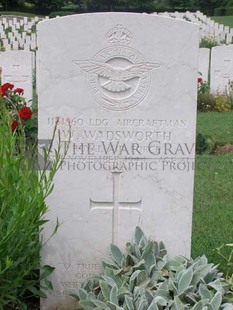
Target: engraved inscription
16,78
16,67
77,273
228,70
116,205
125,144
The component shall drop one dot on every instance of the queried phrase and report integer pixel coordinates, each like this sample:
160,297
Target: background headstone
126,83
17,67
221,68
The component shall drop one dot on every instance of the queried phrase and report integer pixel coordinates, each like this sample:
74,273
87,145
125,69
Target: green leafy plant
61,13
205,100
225,251
146,279
23,190
8,30
204,144
208,42
222,103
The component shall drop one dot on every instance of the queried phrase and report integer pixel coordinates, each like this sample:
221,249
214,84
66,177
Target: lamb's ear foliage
143,278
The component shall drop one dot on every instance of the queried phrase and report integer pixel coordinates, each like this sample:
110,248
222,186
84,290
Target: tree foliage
150,5
10,4
116,5
46,6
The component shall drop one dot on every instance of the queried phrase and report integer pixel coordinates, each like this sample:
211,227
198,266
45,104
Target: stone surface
221,68
204,62
126,83
17,69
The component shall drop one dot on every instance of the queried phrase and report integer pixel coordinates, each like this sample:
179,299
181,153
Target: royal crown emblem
119,76
119,35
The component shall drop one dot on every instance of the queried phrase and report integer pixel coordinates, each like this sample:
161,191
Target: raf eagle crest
118,76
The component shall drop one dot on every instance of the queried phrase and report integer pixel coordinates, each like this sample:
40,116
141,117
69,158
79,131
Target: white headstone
227,29
15,45
21,43
222,37
204,62
229,38
204,18
221,27
17,69
211,23
10,35
221,67
211,31
127,83
6,25
216,26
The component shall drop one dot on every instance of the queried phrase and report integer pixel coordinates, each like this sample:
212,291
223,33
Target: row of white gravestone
19,67
19,33
208,28
216,67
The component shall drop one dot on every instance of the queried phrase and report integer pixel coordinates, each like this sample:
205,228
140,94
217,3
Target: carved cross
116,205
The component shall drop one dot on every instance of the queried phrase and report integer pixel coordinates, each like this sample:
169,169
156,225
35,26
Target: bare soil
223,149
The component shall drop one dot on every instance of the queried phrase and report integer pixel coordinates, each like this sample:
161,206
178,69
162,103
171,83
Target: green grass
218,125
213,190
225,20
15,13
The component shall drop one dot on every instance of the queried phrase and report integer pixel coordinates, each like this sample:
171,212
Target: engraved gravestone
17,69
221,68
124,86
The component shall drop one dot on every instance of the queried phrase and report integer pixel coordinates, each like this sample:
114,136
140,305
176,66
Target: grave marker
221,68
17,69
130,98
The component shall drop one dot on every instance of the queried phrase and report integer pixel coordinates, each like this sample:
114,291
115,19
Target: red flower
199,80
14,125
19,90
25,113
5,87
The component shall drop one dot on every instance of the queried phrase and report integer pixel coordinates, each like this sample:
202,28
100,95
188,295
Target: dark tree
118,5
208,7
11,4
46,6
